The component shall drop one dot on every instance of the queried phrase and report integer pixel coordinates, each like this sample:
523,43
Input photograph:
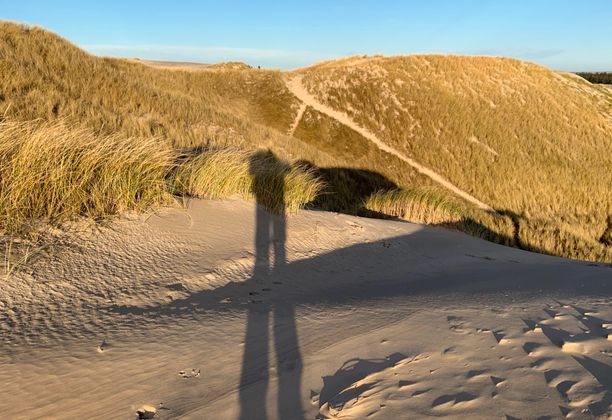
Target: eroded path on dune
295,85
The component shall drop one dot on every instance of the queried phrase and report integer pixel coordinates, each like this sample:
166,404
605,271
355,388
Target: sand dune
294,84
317,315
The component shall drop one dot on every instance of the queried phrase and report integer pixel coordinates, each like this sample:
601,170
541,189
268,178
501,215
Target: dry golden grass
122,104
515,135
44,76
437,207
52,172
551,238
261,176
427,206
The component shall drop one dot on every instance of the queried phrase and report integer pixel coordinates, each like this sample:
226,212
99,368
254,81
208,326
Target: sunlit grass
260,176
53,172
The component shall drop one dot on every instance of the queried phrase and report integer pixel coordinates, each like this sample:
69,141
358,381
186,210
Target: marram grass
517,136
437,207
428,206
52,172
252,175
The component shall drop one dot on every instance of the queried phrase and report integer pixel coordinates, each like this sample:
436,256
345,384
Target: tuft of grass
20,252
54,172
422,205
252,175
438,207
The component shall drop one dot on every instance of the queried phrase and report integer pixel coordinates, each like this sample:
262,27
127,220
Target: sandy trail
298,118
189,312
295,85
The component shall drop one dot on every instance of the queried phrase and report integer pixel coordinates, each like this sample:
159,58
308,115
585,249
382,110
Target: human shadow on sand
419,269
268,175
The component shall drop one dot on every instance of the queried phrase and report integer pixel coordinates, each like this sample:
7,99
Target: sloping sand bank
222,311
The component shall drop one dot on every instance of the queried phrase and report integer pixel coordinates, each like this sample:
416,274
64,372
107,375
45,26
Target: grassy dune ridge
524,139
90,136
514,134
44,76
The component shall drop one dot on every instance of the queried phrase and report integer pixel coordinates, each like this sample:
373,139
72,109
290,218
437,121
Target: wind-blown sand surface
222,311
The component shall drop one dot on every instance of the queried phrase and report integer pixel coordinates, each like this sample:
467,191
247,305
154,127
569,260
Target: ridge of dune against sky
563,35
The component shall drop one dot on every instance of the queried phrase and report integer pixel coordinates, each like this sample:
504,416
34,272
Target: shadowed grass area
437,207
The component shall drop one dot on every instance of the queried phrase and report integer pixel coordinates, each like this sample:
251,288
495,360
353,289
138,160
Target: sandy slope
295,85
223,311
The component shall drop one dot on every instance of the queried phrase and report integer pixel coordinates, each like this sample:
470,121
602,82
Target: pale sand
357,318
171,65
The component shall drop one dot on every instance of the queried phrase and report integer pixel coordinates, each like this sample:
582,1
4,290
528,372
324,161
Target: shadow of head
268,180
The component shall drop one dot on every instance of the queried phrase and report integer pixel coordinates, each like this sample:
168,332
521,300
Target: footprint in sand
354,225
476,372
104,346
500,337
404,384
187,375
497,381
459,326
420,392
530,347
481,257
146,412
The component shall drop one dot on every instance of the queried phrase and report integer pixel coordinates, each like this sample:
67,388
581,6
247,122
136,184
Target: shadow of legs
255,365
288,362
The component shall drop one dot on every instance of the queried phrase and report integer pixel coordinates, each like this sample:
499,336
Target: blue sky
565,35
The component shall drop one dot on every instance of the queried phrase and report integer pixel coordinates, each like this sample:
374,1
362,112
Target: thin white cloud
210,54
